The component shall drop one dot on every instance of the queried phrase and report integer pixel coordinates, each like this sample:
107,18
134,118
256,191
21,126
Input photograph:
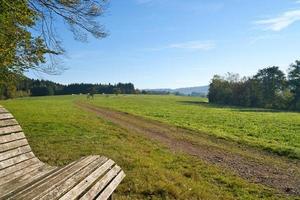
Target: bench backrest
15,152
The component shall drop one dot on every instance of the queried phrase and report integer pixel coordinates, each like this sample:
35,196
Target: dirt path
249,163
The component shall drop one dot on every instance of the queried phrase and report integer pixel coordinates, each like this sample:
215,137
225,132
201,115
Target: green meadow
60,132
271,130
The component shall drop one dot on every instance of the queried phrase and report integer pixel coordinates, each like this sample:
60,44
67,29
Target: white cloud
281,22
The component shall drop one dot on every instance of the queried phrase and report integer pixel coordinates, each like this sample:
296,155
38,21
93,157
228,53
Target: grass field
271,130
60,132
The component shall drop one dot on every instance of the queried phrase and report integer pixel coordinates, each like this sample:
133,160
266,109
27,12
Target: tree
256,93
28,36
39,91
18,48
117,91
8,81
241,93
294,83
272,81
219,91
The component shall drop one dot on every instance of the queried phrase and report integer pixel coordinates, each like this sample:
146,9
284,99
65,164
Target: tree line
269,88
32,87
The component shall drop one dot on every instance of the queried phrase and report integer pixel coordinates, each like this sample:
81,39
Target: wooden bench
24,176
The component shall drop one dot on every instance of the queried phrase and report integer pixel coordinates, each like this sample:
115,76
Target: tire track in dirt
251,164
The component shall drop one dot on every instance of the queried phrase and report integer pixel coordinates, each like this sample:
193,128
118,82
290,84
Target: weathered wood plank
60,175
8,122
23,176
10,129
6,116
88,181
20,173
13,145
58,189
111,187
11,137
19,166
3,110
14,152
100,185
18,184
15,160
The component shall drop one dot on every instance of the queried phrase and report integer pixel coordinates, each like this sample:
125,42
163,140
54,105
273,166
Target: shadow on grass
203,104
258,110
236,108
262,110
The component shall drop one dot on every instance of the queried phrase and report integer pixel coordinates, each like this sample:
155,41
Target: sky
183,43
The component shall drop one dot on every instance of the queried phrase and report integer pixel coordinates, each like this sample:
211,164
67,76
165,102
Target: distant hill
196,91
191,90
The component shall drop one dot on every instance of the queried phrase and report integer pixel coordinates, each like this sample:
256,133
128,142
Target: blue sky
180,43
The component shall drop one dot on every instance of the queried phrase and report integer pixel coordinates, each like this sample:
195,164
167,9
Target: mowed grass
59,132
271,130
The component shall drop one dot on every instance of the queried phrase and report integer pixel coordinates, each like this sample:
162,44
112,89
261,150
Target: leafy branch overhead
28,35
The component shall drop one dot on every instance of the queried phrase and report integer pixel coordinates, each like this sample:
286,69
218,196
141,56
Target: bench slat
22,182
65,185
3,110
15,160
59,175
14,152
100,185
111,187
19,166
11,137
8,122
13,145
10,129
6,116
84,184
20,173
